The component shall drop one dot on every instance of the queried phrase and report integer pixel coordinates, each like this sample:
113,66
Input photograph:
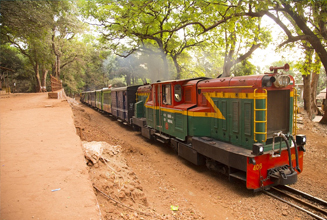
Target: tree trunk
307,95
177,66
229,61
38,80
228,64
164,75
314,84
58,67
307,81
128,79
53,73
44,80
165,66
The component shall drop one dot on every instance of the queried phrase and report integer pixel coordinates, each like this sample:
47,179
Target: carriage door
125,107
216,130
223,125
158,107
235,123
156,99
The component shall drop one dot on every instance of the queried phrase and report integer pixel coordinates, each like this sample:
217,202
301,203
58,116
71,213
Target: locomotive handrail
295,109
255,109
227,87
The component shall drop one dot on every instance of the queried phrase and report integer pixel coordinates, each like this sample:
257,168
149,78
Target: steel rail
305,195
296,206
301,201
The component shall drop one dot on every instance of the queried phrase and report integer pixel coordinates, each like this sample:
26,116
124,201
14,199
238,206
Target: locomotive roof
180,80
124,88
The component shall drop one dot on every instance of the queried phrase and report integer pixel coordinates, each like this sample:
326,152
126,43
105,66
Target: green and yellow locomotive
242,126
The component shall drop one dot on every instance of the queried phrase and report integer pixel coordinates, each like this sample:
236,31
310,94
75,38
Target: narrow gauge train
242,126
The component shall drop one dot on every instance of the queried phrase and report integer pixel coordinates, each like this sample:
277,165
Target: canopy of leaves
168,39
171,28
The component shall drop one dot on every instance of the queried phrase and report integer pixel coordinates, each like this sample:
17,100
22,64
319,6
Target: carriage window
166,94
178,93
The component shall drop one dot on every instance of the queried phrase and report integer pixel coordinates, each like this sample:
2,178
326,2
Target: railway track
313,206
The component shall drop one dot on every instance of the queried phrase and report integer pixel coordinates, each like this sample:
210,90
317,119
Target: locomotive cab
166,108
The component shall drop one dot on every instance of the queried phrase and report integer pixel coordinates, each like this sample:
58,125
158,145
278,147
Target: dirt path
40,151
168,180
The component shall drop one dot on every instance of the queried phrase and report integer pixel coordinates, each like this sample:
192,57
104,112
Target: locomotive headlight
286,80
267,81
282,81
301,139
257,149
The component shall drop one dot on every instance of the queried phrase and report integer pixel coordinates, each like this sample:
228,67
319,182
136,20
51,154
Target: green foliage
168,38
174,28
16,69
207,63
244,68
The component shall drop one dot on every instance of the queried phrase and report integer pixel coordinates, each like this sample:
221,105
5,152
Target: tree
65,27
307,21
247,35
171,26
244,68
38,28
310,69
25,25
109,65
130,68
12,69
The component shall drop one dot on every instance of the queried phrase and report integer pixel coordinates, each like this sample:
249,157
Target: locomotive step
239,175
162,138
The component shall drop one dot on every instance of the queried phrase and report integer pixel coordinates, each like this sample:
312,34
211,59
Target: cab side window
178,93
166,94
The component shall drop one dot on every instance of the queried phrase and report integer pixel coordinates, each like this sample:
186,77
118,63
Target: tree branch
68,62
293,39
128,54
247,54
5,68
280,24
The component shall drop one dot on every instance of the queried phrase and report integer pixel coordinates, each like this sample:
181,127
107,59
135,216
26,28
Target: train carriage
141,97
87,97
98,99
92,99
82,97
106,100
123,101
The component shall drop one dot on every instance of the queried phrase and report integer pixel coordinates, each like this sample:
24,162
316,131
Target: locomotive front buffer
285,174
